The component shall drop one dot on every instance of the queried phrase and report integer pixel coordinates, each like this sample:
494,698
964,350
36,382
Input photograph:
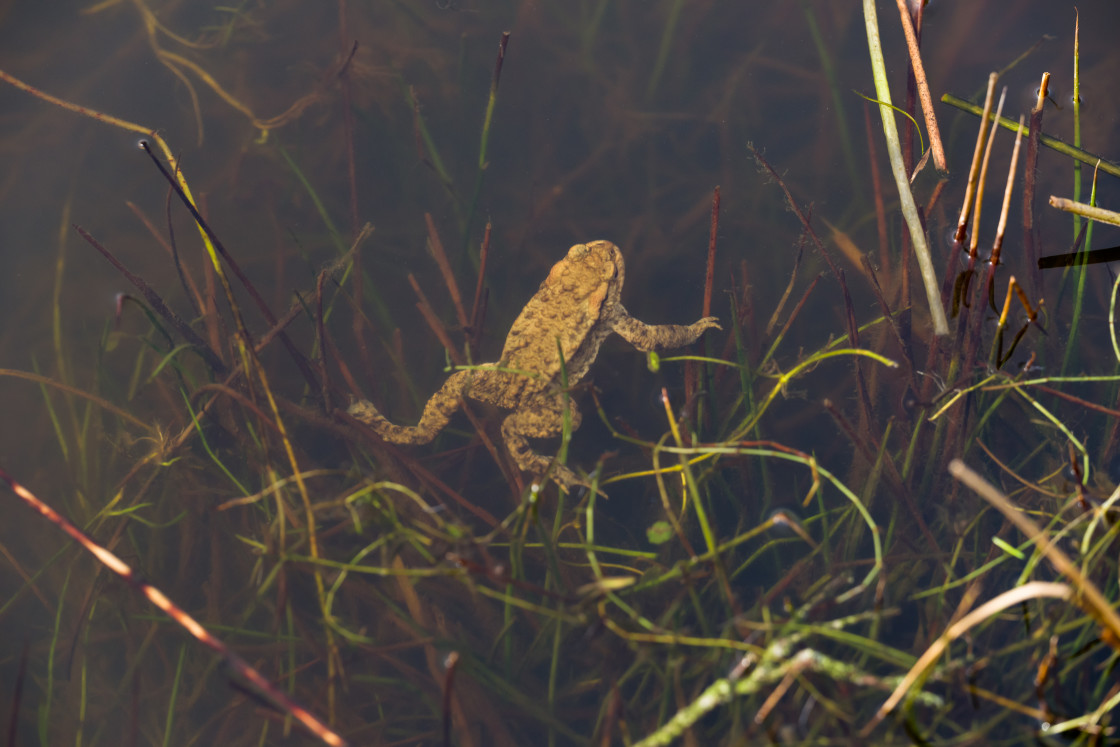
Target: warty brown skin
578,306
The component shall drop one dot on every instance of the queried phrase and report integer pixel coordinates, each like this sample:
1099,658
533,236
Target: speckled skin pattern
577,305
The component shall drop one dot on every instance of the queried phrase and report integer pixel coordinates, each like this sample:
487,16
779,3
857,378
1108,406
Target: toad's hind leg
540,422
437,412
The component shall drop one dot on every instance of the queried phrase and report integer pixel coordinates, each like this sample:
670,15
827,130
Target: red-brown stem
17,696
417,136
877,191
321,329
434,323
781,305
923,87
798,212
857,362
436,247
800,305
710,277
191,290
329,346
451,664
502,44
501,457
478,308
178,615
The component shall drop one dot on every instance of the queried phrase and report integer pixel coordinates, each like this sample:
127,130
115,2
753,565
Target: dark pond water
297,123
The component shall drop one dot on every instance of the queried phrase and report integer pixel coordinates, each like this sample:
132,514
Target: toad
575,309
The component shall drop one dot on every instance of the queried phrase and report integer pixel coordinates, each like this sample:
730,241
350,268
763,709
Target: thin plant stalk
483,148
997,243
974,167
1076,153
894,149
974,240
935,145
1081,265
1031,238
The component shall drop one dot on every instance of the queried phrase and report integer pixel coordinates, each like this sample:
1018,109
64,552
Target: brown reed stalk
451,666
877,191
1001,228
263,686
983,179
436,248
432,318
709,277
936,148
974,167
478,307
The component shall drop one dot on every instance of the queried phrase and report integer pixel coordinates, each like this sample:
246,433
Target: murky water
613,120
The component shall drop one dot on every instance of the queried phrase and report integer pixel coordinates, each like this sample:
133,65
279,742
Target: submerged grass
785,555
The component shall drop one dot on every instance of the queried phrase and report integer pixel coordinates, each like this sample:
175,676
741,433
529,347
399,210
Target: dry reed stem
478,307
1091,212
436,247
710,277
1007,190
974,167
932,129
877,191
1019,595
313,724
434,323
1090,597
978,203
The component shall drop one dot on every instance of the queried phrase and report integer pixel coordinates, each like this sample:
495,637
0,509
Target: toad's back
574,305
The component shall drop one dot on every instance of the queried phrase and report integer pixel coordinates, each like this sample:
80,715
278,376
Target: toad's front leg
437,412
646,337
